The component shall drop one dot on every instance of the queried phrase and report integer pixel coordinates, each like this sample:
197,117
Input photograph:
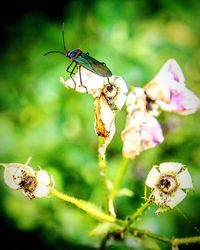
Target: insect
80,59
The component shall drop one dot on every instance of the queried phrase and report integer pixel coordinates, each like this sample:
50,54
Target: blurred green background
54,125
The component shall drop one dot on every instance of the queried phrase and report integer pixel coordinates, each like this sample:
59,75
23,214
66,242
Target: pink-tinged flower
32,183
167,181
141,132
109,94
137,100
168,90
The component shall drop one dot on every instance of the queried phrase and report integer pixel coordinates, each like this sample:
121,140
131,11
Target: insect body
81,59
88,62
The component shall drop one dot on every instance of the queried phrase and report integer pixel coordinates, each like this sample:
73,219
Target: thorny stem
103,175
118,180
99,215
85,206
138,213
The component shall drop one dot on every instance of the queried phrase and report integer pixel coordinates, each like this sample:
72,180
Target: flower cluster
32,183
167,91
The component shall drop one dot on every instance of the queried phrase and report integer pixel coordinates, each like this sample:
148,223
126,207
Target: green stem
138,213
140,233
103,175
185,241
85,206
120,175
173,242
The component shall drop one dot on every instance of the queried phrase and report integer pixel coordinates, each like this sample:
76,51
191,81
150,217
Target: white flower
167,182
109,93
168,90
114,88
32,183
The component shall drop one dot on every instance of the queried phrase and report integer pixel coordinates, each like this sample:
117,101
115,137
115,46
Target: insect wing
99,67
80,59
93,65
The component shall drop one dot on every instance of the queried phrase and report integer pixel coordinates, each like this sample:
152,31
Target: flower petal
136,100
182,100
88,83
10,179
13,173
173,70
131,142
176,198
104,116
188,104
41,191
168,167
43,177
184,179
152,177
104,122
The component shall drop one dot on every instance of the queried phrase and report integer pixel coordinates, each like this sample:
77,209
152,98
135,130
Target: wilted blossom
142,130
167,181
109,93
32,183
169,91
104,122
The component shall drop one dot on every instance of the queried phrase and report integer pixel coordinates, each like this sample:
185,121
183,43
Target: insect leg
67,69
79,69
72,74
109,81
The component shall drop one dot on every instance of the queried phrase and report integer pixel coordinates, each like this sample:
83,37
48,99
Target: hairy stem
85,206
138,213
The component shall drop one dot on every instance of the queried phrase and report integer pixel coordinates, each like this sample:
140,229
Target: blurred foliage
54,125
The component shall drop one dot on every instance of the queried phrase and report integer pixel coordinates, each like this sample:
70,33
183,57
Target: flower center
110,90
167,183
28,184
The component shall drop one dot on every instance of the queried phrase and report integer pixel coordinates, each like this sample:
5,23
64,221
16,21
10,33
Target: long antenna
54,51
63,36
